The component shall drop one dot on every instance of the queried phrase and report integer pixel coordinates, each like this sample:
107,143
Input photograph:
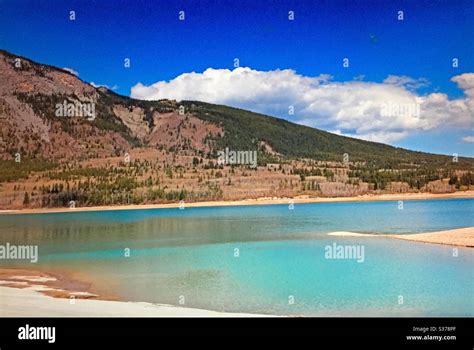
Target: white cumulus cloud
406,81
384,112
468,139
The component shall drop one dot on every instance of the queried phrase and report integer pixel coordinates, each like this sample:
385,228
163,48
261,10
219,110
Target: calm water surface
191,253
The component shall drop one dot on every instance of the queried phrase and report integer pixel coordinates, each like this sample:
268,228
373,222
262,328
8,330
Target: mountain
54,121
30,92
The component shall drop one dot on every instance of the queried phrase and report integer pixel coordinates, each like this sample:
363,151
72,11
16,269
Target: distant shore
257,201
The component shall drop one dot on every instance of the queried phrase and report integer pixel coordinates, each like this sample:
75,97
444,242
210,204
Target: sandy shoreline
29,302
28,293
258,201
462,237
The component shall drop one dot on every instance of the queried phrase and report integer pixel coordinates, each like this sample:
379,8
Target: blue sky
259,33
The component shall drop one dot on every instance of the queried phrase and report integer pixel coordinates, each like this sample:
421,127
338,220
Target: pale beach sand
27,293
257,201
29,302
463,237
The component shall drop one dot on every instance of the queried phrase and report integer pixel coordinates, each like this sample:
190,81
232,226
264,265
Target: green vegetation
11,170
466,179
110,185
243,129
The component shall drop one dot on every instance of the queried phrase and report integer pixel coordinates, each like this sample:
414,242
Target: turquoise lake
264,259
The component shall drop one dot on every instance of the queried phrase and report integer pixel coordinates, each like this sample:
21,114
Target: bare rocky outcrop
29,96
